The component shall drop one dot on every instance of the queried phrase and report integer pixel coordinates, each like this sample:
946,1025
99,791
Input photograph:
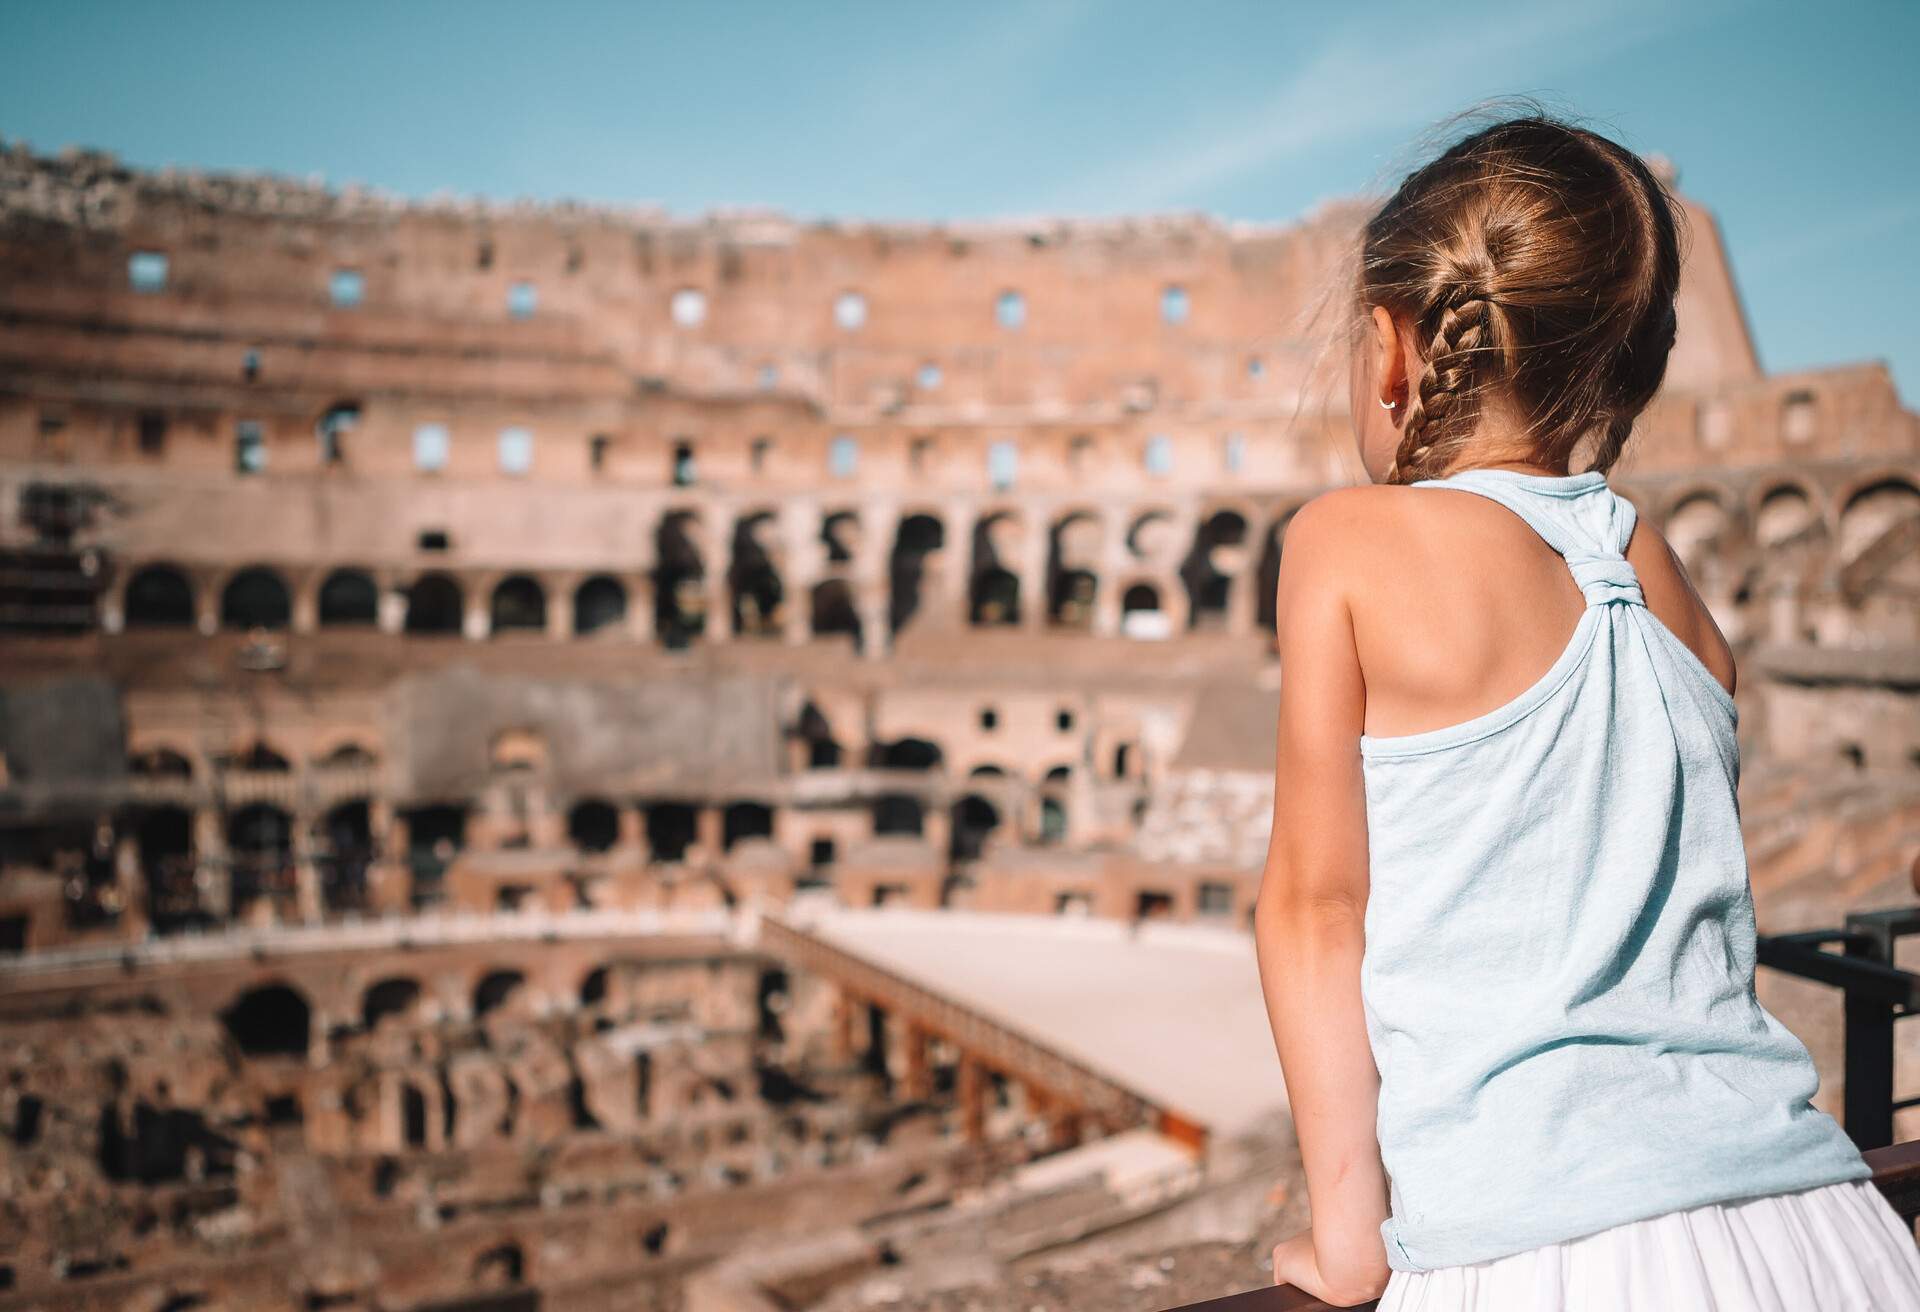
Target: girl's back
1559,934
1505,929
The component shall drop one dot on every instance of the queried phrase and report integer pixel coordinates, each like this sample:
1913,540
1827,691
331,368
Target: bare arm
1308,919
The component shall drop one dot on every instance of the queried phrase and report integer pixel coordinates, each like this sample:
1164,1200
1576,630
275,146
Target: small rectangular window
597,451
430,447
147,271
1078,449
516,450
434,539
1235,452
153,432
1159,454
522,299
758,453
683,468
920,454
1003,464
249,447
843,456
347,287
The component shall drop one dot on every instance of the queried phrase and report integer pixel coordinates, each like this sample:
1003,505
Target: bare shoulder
1671,597
1339,534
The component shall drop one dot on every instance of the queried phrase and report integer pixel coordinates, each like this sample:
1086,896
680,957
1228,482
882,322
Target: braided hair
1536,265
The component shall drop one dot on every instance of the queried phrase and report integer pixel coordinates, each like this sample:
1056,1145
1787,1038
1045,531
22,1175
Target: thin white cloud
1358,83
1849,225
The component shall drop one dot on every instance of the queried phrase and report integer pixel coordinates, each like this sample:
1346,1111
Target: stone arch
273,1019
435,606
160,761
1878,557
754,580
815,733
256,598
1141,612
834,612
1699,528
1076,544
496,990
502,1266
993,594
345,854
599,606
679,594
348,597
260,847
1218,557
396,995
919,535
745,819
159,597
518,605
974,818
593,825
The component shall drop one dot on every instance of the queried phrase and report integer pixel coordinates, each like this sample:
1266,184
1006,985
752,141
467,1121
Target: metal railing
1877,992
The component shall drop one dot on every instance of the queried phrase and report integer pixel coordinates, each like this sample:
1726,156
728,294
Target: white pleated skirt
1834,1248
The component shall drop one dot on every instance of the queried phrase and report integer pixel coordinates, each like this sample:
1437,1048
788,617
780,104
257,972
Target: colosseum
567,757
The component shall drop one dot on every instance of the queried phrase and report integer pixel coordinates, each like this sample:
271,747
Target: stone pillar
709,837
131,882
972,1086
477,621
113,608
876,632
560,607
640,609
306,873
213,873
917,1082
1783,612
633,833
718,626
392,613
206,606
845,1016
304,609
1032,571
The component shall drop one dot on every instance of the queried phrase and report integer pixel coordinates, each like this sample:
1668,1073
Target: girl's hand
1294,1264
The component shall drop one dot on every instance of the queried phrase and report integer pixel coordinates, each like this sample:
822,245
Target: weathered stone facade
363,562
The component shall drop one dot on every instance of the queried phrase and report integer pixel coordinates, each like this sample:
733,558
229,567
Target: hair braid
1440,406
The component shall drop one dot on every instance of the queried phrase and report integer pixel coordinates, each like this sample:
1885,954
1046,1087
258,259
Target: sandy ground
1173,1011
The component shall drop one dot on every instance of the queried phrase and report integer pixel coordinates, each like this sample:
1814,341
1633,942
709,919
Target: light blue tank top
1558,978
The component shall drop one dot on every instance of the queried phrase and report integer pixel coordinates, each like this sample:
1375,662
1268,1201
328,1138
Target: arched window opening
834,612
898,813
519,606
345,853
974,819
495,990
680,598
918,537
754,579
273,1020
398,997
349,597
671,830
1218,556
599,606
159,597
813,730
255,598
593,826
435,606
1140,613
746,820
260,847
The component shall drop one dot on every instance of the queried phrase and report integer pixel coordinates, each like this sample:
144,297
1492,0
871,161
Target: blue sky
1795,123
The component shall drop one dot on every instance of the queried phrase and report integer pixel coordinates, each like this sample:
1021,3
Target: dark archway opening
917,537
754,580
679,593
255,598
593,826
159,597
519,606
435,606
349,597
599,606
671,829
270,1021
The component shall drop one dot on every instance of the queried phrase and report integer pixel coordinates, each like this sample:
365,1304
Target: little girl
1505,930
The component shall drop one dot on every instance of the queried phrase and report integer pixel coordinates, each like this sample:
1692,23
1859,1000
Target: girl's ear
1389,355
